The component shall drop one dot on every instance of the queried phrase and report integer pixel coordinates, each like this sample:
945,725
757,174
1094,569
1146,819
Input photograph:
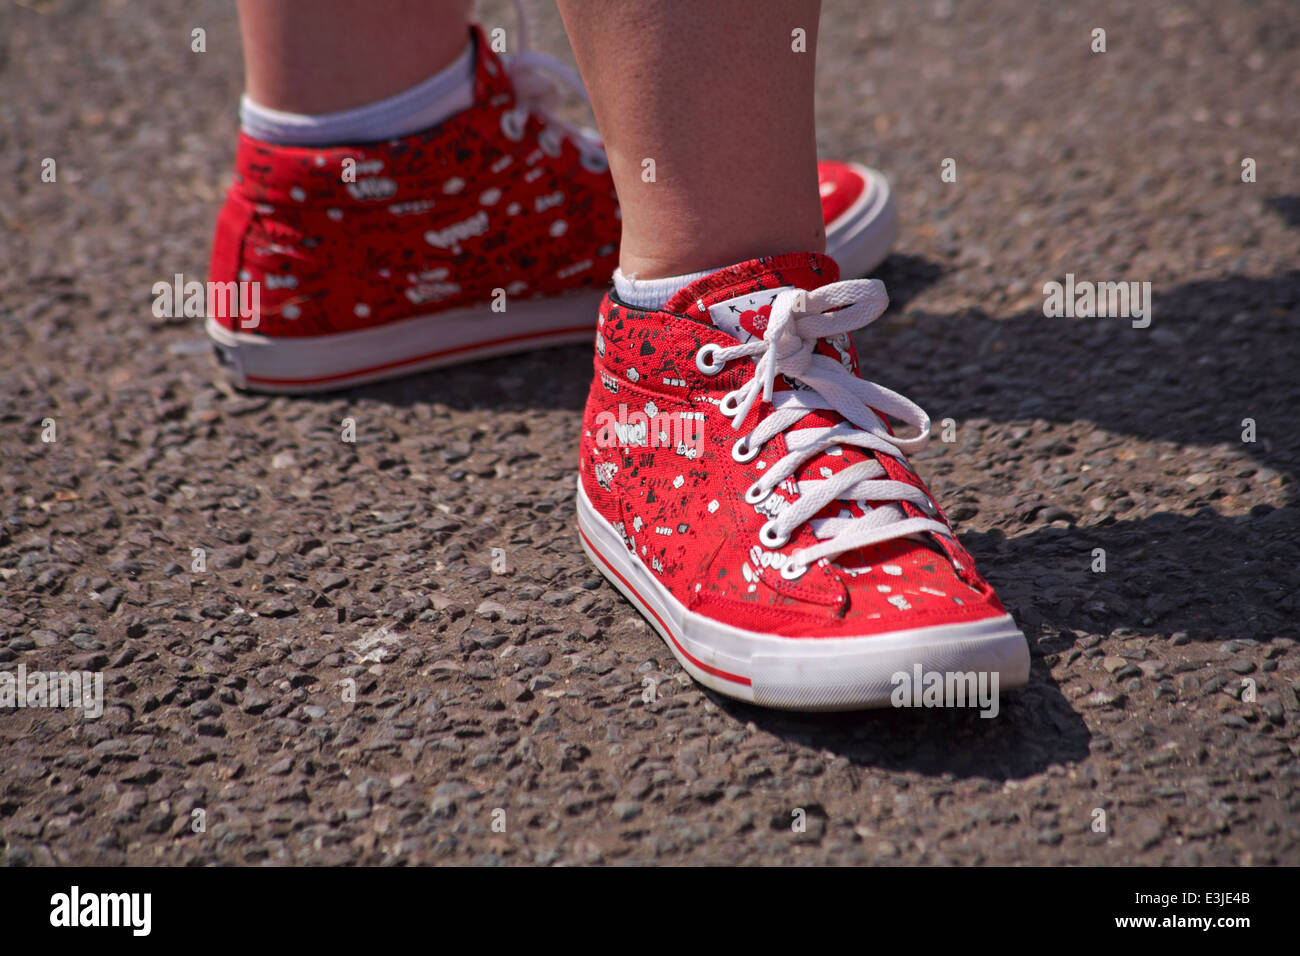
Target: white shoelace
788,349
541,83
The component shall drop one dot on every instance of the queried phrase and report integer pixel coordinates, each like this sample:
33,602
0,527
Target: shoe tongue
738,299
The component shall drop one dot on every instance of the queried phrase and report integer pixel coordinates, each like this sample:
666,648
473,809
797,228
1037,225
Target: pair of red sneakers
757,509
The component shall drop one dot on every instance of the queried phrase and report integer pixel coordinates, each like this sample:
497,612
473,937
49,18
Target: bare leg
713,92
319,56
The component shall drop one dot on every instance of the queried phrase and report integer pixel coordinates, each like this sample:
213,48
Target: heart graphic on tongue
754,321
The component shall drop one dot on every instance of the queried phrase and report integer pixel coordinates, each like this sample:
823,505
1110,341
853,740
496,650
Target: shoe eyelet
741,452
729,405
512,125
704,359
770,538
755,493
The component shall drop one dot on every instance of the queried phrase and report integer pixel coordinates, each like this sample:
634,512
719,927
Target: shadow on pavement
1217,353
1035,728
1288,207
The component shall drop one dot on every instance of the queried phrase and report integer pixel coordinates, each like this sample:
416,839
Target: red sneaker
861,219
500,213
739,483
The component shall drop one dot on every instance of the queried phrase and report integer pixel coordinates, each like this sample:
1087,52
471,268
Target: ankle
657,260
434,100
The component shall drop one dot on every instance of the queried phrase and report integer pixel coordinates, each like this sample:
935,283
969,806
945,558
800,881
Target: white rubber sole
860,239
322,363
808,674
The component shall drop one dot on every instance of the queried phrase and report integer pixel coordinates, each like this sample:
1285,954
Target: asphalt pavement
396,651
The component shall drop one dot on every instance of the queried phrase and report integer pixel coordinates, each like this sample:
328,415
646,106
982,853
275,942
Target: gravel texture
361,676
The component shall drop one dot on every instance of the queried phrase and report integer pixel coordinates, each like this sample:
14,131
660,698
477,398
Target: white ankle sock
653,293
426,104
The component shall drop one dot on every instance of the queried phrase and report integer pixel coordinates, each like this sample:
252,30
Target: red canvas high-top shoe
739,483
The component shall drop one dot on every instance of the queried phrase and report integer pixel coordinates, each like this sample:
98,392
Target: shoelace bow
788,349
541,84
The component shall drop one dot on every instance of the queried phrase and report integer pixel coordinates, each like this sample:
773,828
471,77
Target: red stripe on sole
707,668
